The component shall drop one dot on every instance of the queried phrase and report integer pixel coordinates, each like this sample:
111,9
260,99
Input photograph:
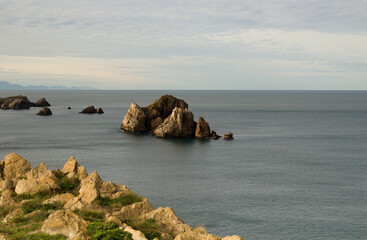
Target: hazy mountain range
9,86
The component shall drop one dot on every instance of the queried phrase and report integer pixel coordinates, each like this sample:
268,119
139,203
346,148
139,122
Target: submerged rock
42,102
90,110
45,112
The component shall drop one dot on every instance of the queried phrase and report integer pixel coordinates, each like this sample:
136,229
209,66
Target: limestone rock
89,188
41,103
14,166
202,129
113,219
13,214
72,168
136,234
6,199
45,112
64,222
6,184
134,120
228,136
194,234
234,237
39,172
180,124
90,110
135,210
62,198
45,184
112,190
168,220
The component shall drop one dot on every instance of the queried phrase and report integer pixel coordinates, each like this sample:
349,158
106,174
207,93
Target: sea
296,169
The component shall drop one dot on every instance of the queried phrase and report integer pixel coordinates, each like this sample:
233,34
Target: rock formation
21,102
45,111
90,110
134,120
41,103
228,136
110,209
202,129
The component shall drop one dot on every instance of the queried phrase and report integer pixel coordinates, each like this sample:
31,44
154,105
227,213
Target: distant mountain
8,86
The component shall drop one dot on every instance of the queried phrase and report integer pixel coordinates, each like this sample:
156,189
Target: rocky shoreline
71,204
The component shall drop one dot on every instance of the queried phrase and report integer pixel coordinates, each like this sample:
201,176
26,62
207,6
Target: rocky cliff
71,204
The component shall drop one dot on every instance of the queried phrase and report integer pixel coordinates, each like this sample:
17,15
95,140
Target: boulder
72,168
99,111
90,110
6,184
46,184
45,112
134,120
41,103
170,223
135,234
202,129
113,190
39,172
135,210
14,166
234,237
64,222
180,124
89,188
6,199
228,136
15,102
194,234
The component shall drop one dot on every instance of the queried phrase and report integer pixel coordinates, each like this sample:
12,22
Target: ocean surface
297,168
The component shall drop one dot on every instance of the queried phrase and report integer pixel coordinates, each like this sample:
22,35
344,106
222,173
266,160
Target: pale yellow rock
13,214
70,166
44,184
89,187
194,234
82,172
112,190
81,236
64,222
135,210
62,198
114,219
77,203
136,234
39,172
14,166
166,236
3,237
134,120
167,218
6,184
234,237
6,199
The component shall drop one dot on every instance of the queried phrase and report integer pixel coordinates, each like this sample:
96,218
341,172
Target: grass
107,231
36,204
41,196
149,227
22,232
68,184
119,202
89,215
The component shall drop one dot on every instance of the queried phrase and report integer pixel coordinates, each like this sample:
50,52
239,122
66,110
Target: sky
192,44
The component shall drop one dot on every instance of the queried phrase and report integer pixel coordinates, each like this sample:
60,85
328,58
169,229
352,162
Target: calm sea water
297,168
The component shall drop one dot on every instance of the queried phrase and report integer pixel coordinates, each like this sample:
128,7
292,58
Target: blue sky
201,44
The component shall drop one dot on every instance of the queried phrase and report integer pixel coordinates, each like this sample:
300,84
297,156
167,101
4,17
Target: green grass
89,215
119,202
68,184
36,204
149,227
41,196
107,231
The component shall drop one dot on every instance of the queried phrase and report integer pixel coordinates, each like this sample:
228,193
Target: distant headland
4,85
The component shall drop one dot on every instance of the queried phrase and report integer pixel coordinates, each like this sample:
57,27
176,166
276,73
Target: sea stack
90,110
45,112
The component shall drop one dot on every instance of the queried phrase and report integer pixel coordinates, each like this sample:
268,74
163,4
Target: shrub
36,204
121,201
107,231
149,227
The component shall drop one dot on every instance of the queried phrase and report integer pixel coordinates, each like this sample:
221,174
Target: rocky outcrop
202,129
64,222
90,187
135,210
135,234
72,168
45,184
134,120
228,136
113,190
194,234
61,198
214,136
42,102
180,124
45,112
14,166
39,172
90,110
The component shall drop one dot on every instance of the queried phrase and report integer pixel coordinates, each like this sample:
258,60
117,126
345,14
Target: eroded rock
39,172
194,234
228,136
42,102
202,129
90,110
234,237
45,112
14,166
135,210
45,184
134,120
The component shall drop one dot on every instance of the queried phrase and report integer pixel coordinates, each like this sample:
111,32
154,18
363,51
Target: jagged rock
228,136
112,190
13,214
234,237
156,122
45,112
62,198
45,184
6,199
194,234
41,103
89,188
180,124
214,135
202,129
14,166
64,222
15,102
134,120
135,210
90,110
39,172
136,234
6,184
167,218
72,167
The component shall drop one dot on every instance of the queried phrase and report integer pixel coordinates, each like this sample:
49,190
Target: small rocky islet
21,102
71,204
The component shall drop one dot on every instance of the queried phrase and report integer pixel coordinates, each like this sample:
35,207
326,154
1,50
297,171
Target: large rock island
71,204
166,117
